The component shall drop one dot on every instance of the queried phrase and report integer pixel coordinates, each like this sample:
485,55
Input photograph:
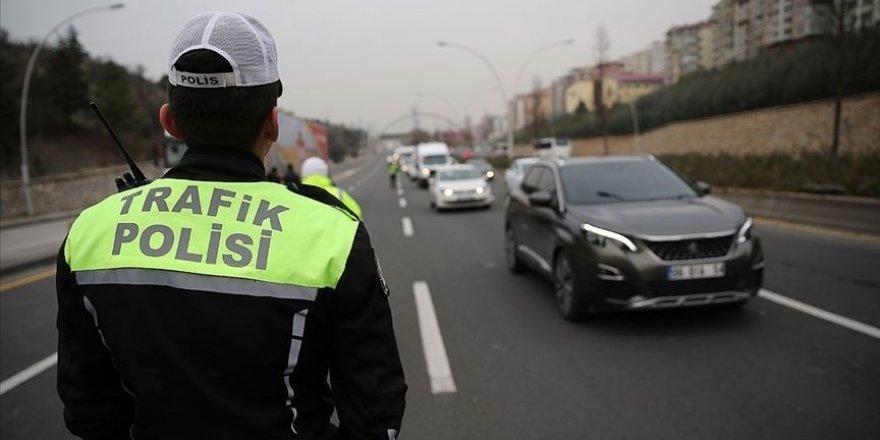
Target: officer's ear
168,122
271,126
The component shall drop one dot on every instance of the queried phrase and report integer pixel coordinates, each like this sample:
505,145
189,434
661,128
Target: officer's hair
226,117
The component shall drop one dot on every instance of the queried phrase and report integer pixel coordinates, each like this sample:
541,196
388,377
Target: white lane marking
432,341
402,202
400,191
349,173
842,321
407,227
28,373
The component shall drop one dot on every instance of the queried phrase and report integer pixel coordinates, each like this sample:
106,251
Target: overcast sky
368,62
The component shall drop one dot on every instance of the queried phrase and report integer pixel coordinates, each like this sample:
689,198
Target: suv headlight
480,190
745,232
426,171
598,235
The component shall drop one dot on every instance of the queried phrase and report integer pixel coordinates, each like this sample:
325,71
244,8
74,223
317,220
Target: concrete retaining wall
790,128
64,192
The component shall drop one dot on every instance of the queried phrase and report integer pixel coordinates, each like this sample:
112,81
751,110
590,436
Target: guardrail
854,214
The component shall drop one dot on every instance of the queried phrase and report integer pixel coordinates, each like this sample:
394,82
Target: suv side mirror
703,188
541,198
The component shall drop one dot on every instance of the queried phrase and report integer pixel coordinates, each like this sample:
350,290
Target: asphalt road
521,372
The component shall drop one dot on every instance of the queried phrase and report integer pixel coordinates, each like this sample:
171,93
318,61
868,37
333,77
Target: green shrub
806,172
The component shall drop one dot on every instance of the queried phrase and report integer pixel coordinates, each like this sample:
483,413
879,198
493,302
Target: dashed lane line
432,341
842,321
28,373
407,227
402,202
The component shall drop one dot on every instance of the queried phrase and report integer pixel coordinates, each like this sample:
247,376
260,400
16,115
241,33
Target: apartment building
652,59
618,86
722,33
741,29
688,48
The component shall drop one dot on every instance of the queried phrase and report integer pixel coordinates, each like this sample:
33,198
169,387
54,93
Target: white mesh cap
314,165
242,40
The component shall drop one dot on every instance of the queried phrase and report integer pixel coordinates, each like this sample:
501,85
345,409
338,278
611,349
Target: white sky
368,62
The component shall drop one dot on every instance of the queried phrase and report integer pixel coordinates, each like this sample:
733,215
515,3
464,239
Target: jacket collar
220,164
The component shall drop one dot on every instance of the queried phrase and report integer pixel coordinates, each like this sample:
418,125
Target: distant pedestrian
274,175
392,173
316,172
290,176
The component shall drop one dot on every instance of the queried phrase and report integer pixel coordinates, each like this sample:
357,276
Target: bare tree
837,20
603,43
537,117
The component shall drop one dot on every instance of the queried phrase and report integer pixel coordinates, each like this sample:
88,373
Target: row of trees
63,134
812,70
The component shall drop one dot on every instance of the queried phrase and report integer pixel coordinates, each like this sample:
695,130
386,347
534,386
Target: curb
23,221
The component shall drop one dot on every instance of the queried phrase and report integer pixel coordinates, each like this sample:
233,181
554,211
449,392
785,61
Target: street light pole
635,118
535,54
25,171
500,87
507,104
445,101
529,60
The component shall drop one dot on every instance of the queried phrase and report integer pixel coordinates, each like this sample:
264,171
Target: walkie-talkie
128,179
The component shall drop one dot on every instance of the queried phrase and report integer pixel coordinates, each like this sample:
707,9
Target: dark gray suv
628,232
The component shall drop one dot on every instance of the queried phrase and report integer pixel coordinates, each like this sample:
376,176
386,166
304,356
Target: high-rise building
762,24
688,49
648,60
722,33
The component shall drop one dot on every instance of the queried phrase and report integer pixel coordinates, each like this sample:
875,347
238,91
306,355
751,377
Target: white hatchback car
514,174
459,186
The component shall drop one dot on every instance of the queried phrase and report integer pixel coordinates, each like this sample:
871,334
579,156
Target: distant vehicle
552,148
429,156
483,165
459,186
627,232
408,167
403,153
514,174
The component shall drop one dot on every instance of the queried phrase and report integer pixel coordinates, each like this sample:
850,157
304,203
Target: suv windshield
433,160
458,174
621,182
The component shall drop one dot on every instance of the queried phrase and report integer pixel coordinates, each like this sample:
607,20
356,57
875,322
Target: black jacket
153,362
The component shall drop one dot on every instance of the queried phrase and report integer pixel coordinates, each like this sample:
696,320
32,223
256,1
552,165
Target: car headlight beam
590,229
426,171
480,190
448,192
745,232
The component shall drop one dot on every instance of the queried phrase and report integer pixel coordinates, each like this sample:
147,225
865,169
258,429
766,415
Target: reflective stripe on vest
216,236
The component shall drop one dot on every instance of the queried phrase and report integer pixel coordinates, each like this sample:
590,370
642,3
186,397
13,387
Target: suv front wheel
514,264
570,297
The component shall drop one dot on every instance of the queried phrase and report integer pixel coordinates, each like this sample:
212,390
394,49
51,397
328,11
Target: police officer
213,304
316,172
392,173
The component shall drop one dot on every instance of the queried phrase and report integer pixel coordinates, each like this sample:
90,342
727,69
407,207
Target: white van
552,148
429,156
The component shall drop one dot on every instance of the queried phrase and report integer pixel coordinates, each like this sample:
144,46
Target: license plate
695,271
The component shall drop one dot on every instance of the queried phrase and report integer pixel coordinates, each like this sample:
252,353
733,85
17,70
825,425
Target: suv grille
692,249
